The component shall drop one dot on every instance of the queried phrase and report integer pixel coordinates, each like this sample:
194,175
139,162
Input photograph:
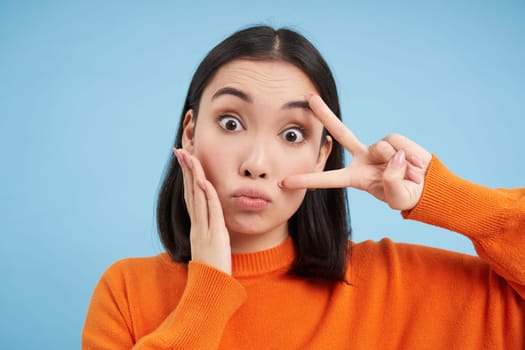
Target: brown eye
230,123
293,135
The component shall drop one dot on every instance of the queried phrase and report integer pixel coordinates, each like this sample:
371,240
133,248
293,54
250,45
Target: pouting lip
251,193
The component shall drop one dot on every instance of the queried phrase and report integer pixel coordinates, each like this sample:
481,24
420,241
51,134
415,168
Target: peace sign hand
392,170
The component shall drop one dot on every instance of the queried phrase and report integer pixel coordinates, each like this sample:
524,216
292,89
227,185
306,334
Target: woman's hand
209,238
392,170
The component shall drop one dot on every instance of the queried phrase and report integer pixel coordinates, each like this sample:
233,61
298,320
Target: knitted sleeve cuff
209,300
453,203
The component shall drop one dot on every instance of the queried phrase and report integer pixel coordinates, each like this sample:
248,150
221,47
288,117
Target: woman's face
254,128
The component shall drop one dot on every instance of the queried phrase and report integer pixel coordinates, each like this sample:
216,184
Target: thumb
394,184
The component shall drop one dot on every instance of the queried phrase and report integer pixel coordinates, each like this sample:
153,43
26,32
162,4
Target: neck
254,242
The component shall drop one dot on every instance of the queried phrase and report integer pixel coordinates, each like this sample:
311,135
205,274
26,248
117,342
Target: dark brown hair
320,228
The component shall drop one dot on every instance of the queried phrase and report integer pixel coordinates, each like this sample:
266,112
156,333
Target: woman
256,261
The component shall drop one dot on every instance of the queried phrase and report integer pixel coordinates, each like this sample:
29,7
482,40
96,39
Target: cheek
295,198
214,161
299,164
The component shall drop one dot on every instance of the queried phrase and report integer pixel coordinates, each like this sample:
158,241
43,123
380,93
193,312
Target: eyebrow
232,91
245,97
297,104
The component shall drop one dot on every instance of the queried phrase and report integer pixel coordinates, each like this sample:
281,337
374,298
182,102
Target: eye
227,122
294,135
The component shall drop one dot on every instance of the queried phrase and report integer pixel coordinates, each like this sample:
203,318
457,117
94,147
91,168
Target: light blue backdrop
90,94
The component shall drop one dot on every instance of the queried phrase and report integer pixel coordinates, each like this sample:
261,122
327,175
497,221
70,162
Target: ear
188,131
324,152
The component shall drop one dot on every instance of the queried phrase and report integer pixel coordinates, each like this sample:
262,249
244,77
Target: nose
255,163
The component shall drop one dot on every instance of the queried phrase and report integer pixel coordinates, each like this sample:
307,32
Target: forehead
278,79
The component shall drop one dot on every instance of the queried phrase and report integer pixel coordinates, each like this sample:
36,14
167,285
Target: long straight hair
320,228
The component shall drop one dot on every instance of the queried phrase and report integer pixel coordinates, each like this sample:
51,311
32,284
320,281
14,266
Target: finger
187,182
381,152
414,152
396,192
415,161
413,175
200,205
327,179
216,215
335,126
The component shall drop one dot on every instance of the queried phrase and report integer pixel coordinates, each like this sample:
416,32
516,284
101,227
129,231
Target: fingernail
280,184
188,161
176,153
399,159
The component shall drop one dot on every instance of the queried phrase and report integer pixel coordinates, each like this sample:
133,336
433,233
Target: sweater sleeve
208,301
493,219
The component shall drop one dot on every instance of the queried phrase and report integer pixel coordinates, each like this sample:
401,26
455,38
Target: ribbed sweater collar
263,262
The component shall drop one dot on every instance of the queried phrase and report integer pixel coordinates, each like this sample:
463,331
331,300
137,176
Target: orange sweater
400,296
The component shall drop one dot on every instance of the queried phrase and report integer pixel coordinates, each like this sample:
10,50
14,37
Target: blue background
91,92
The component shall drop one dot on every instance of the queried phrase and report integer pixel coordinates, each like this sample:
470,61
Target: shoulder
385,250
143,267
387,259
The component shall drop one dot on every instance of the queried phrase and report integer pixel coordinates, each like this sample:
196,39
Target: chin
245,229
252,225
